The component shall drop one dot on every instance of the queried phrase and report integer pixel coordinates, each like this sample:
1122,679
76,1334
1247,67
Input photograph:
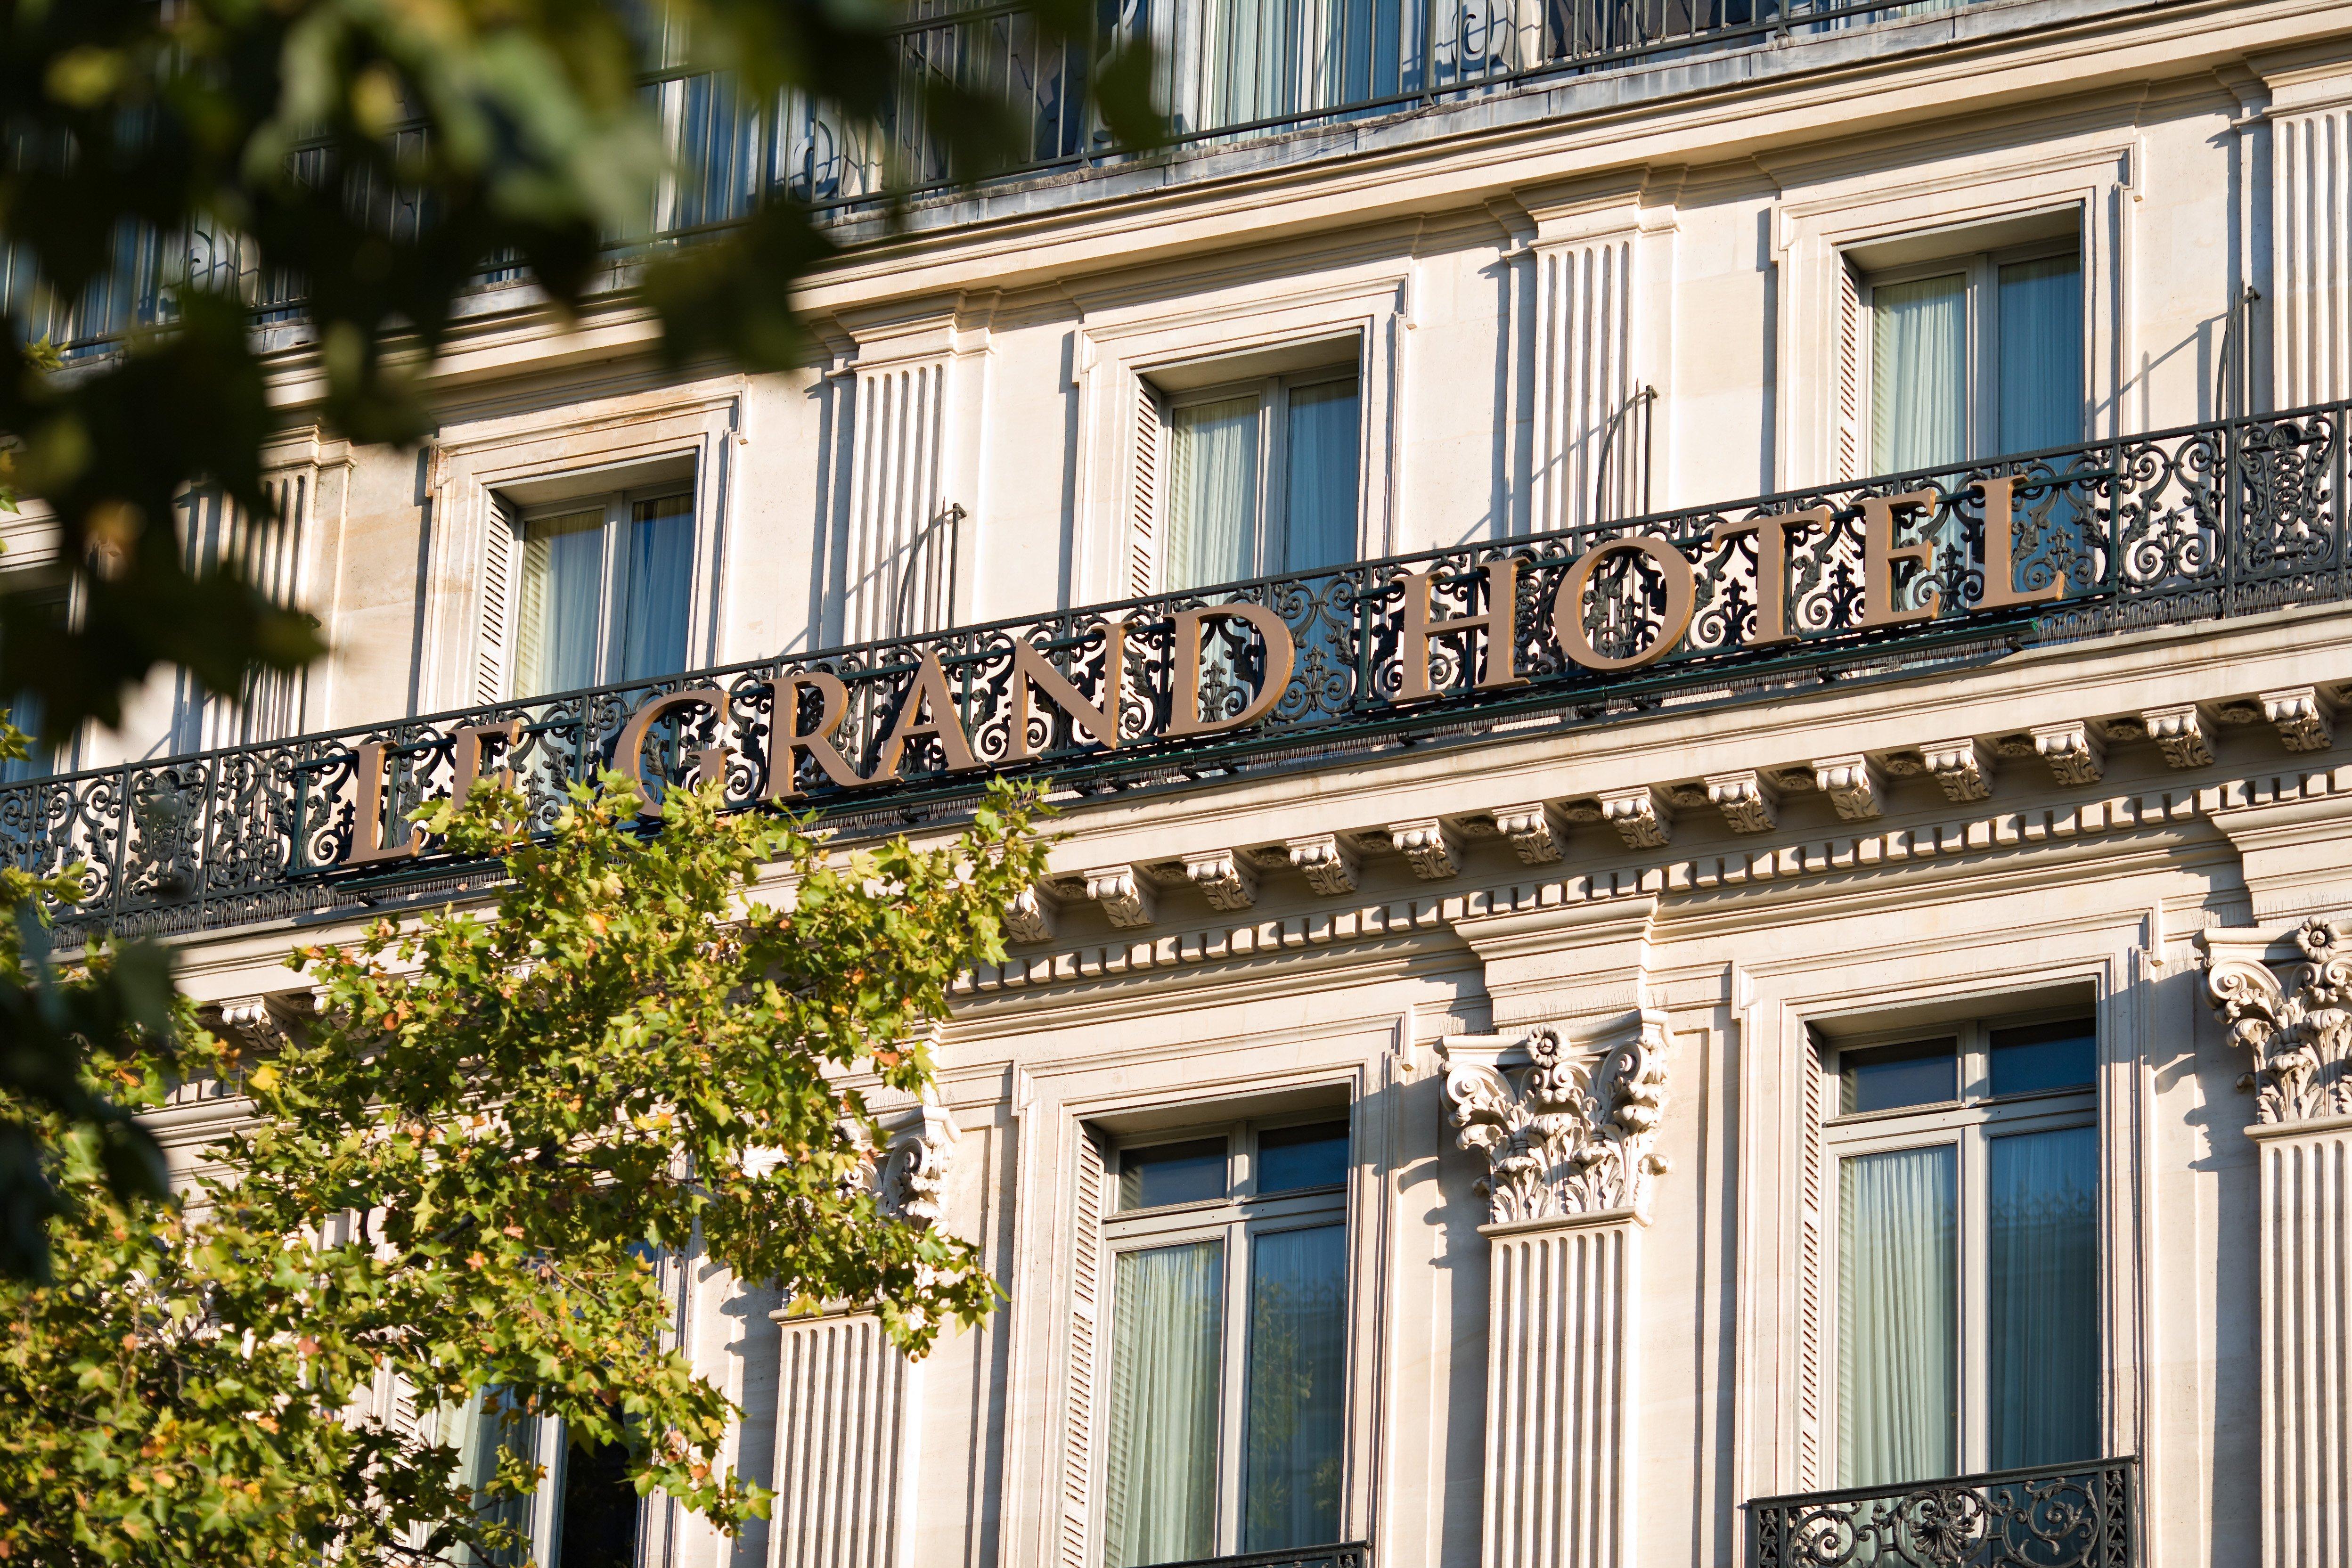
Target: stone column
2301,1038
1567,1126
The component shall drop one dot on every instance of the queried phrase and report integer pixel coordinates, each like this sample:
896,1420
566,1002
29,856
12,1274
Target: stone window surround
1122,343
1787,1444
648,434
1829,208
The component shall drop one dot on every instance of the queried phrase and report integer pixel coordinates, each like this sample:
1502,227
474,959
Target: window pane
477,1431
1918,373
1212,493
655,588
1171,1174
1289,1158
2039,1057
555,618
1926,1072
1297,1358
1161,1473
1898,1383
599,1525
2041,374
2044,1228
1320,479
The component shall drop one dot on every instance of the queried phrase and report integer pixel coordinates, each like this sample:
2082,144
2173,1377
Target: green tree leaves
661,1041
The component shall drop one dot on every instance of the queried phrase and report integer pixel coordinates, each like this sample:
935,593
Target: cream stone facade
1597,976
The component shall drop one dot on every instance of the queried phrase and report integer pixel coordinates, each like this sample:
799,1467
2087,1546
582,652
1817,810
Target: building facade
1583,1019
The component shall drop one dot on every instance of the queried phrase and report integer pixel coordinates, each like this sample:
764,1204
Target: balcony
1352,1554
2208,522
2078,1516
1230,72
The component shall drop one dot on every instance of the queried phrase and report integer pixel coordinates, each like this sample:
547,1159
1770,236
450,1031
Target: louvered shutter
1085,1278
1813,1306
1852,441
500,559
1150,421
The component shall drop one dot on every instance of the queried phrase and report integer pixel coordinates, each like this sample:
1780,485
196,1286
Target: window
1225,1424
43,753
1261,477
1976,355
602,591
1965,1171
588,1513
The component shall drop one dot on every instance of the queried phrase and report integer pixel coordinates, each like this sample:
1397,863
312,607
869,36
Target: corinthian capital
2301,1037
1572,1132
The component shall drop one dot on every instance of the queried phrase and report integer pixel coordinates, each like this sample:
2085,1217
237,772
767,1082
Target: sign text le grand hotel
1623,605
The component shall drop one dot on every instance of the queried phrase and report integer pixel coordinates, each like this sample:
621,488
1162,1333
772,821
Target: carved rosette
2302,1037
1565,1136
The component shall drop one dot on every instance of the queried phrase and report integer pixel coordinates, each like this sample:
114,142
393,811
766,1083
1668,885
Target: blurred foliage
456,1175
382,155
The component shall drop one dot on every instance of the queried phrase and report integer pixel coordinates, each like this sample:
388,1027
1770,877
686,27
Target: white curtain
477,1430
1298,1360
555,614
1918,374
657,585
1320,508
1898,1388
2043,1231
1161,1473
1212,493
2041,369
1255,71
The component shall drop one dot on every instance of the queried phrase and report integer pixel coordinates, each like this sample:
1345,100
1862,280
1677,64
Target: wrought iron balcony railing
2065,1516
2219,520
1351,1554
1228,71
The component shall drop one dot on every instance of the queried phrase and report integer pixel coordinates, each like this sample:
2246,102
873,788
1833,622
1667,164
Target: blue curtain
1160,1472
1323,430
1898,1320
656,586
2039,378
2043,1236
1919,373
556,621
1297,1364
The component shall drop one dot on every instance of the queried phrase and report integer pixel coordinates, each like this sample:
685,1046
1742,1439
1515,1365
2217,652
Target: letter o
1567,603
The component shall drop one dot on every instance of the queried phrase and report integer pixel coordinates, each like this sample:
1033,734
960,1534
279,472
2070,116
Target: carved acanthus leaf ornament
1563,1135
2301,1037
913,1175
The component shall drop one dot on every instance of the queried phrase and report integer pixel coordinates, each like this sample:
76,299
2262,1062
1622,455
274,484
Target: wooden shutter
1853,401
1086,1294
1143,528
501,560
1812,1315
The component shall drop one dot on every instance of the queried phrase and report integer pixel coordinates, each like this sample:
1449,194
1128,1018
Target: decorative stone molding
1853,784
2301,1038
1747,802
2302,718
1536,833
914,1168
1429,846
1124,896
1329,865
1642,817
1562,1136
2181,733
2075,756
1030,916
1221,876
1963,767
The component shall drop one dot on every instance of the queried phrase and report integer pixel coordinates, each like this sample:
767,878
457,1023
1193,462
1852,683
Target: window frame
1981,270
612,625
1235,1221
1271,524
1967,1123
